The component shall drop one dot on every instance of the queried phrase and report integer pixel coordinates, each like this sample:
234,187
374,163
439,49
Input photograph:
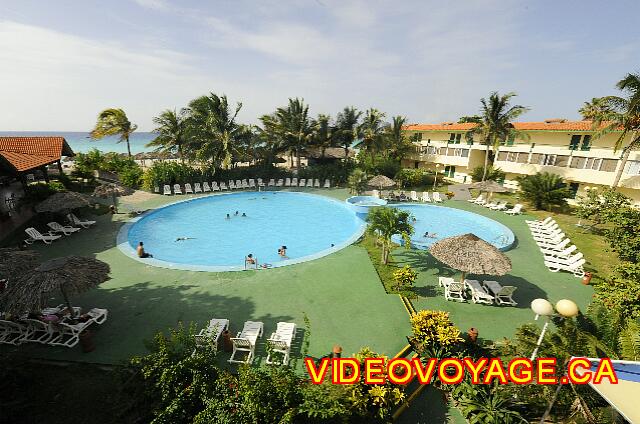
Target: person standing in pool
141,252
228,217
249,260
244,214
283,251
236,214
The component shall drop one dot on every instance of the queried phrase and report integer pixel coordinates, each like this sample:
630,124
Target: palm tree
347,124
398,145
496,127
621,114
386,222
544,190
475,119
114,122
213,128
490,405
272,137
590,110
357,181
324,134
171,129
294,126
372,132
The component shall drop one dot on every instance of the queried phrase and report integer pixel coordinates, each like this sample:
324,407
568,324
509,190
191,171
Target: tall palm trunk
126,137
486,162
625,158
298,159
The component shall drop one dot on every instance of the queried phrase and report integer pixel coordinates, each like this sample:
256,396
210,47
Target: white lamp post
435,180
542,307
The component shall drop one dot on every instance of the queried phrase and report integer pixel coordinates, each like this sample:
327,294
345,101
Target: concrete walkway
460,191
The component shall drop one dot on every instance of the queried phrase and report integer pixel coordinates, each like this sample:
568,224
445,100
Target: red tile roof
550,125
25,153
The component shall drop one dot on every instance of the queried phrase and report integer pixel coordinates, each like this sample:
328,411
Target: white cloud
153,4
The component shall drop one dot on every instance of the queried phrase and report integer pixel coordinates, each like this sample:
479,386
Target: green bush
337,172
39,191
405,278
357,181
544,190
131,176
410,177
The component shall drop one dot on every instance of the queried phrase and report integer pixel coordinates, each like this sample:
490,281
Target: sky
63,62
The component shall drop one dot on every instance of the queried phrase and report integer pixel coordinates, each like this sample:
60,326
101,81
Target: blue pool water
448,222
307,224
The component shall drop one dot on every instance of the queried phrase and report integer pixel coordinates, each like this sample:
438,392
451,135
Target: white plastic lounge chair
558,246
167,190
272,182
302,183
316,183
98,315
280,342
555,235
245,184
197,188
477,199
454,291
478,293
252,183
260,182
280,183
327,184
436,197
232,185
414,196
294,182
246,341
205,187
425,197
481,201
66,230
239,184
375,193
156,189
502,294
545,230
177,189
214,186
576,268
500,206
565,253
547,221
84,223
445,281
491,205
188,189
570,260
223,186
39,331
213,331
310,182
12,332
287,182
516,210
69,334
35,235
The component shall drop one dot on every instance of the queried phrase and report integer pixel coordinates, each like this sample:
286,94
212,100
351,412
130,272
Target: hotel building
559,146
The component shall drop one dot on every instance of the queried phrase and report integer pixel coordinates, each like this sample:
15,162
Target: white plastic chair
454,291
294,182
516,210
239,184
188,189
414,196
167,190
425,197
287,182
252,183
436,197
502,294
69,334
310,182
84,223
478,293
280,183
197,188
245,184
213,331
64,229
316,183
177,189
327,183
246,341
280,342
272,182
477,199
205,187
223,186
35,235
576,268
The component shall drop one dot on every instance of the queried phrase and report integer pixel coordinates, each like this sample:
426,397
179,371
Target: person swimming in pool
283,251
244,214
184,238
250,259
228,216
236,214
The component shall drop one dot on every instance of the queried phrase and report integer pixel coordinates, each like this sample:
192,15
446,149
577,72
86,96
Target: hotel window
547,160
523,157
449,171
461,153
562,160
510,141
609,165
502,156
419,137
586,143
512,156
455,138
594,163
633,167
535,158
574,143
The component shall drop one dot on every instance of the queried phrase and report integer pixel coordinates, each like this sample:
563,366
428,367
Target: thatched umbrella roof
63,201
470,254
112,190
14,262
381,181
489,186
71,275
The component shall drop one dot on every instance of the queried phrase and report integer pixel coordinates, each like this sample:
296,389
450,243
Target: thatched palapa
470,254
112,190
14,262
489,186
71,275
63,201
381,181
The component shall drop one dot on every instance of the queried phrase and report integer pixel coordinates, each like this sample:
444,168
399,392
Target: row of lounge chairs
246,340
497,205
489,292
413,196
57,230
559,254
240,185
65,332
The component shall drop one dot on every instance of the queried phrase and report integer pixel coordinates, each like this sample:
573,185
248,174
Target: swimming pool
446,222
307,224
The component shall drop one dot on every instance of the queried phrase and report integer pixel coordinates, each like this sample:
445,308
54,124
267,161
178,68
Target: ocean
81,143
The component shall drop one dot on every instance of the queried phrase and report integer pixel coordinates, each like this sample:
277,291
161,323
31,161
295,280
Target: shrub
621,291
405,278
358,181
337,172
494,174
434,329
409,177
544,190
131,176
39,191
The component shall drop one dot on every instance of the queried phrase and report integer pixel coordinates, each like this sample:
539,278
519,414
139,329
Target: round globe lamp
542,307
567,308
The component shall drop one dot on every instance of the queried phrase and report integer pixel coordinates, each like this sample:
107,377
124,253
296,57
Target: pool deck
340,293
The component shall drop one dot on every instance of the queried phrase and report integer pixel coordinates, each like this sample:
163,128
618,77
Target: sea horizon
81,142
